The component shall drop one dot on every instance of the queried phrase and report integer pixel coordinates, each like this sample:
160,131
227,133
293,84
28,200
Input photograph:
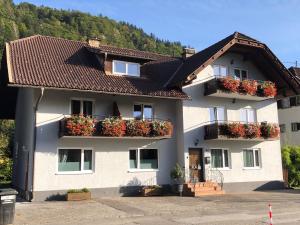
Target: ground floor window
251,158
143,159
75,160
219,158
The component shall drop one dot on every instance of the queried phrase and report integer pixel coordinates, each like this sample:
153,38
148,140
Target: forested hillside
18,21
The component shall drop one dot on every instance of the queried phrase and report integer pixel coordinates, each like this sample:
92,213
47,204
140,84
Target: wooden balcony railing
113,127
228,87
241,131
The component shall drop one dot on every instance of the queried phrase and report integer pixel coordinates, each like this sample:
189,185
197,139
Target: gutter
34,139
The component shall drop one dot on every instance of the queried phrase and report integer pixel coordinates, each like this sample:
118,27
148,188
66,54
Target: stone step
199,194
216,188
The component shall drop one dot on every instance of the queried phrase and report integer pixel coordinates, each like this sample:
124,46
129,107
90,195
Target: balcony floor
123,137
224,138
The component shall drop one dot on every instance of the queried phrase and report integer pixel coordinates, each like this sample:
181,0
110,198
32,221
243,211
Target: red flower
230,84
249,86
269,89
252,130
236,130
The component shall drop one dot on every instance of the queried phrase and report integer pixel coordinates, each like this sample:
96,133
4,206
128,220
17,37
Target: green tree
291,161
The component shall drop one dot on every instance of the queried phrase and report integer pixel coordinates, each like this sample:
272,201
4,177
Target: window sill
251,168
74,173
224,169
142,170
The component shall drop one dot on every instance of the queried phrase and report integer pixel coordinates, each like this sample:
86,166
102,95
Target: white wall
288,116
196,116
111,155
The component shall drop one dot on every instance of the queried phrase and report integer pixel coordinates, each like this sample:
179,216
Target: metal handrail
228,75
215,175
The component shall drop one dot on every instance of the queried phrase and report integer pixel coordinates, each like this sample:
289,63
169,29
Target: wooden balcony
155,130
213,88
221,131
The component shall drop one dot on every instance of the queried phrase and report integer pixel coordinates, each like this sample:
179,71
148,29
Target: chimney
187,52
94,42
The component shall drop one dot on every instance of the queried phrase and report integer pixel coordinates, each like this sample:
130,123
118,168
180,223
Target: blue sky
200,23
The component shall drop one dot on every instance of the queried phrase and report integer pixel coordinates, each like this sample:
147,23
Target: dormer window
126,68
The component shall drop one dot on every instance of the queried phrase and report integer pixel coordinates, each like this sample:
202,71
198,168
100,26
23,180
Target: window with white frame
220,70
75,160
219,158
248,115
84,107
240,74
142,111
143,159
126,68
251,158
217,114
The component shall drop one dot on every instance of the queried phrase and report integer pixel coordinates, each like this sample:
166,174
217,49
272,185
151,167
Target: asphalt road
230,209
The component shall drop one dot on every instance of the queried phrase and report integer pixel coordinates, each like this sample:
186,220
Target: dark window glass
87,108
75,107
293,101
294,127
132,159
148,159
137,112
88,155
69,160
256,158
226,158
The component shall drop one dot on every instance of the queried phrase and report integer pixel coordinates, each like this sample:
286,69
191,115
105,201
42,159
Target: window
126,68
84,107
251,158
141,111
240,74
217,114
295,101
282,128
143,159
75,160
219,158
295,127
248,115
220,70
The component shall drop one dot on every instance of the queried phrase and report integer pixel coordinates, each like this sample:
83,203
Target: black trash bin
7,205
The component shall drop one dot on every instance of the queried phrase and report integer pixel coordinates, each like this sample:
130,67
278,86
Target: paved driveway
231,209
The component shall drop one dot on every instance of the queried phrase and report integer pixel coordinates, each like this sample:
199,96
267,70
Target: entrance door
196,165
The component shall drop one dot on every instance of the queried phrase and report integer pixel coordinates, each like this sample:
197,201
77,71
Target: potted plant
252,130
177,175
161,128
138,128
78,194
236,130
268,89
113,127
152,190
79,125
229,84
269,130
249,87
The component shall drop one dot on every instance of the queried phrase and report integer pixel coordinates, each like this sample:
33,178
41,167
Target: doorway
196,166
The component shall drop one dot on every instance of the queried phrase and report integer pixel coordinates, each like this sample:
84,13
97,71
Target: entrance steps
202,189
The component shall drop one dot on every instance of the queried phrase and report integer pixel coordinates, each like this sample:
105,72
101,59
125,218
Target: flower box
154,190
113,127
79,125
78,195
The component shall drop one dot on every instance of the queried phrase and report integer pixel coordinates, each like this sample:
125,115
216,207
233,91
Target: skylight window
126,68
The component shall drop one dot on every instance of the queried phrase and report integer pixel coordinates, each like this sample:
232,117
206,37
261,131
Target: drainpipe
34,139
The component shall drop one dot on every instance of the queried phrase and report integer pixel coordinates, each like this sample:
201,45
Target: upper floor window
141,111
84,107
220,70
126,68
240,74
248,115
295,127
217,114
282,128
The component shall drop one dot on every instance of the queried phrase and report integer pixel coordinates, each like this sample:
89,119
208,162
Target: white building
289,119
55,78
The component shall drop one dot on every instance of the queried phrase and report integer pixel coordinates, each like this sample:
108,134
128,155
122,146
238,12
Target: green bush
291,161
83,190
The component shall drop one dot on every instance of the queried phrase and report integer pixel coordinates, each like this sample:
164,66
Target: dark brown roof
126,52
195,63
42,61
295,71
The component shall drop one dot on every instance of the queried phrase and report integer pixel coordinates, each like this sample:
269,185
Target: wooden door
196,164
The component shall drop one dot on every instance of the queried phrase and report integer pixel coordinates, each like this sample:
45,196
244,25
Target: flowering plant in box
269,130
161,128
114,127
230,84
236,130
249,86
79,125
138,128
268,89
252,130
